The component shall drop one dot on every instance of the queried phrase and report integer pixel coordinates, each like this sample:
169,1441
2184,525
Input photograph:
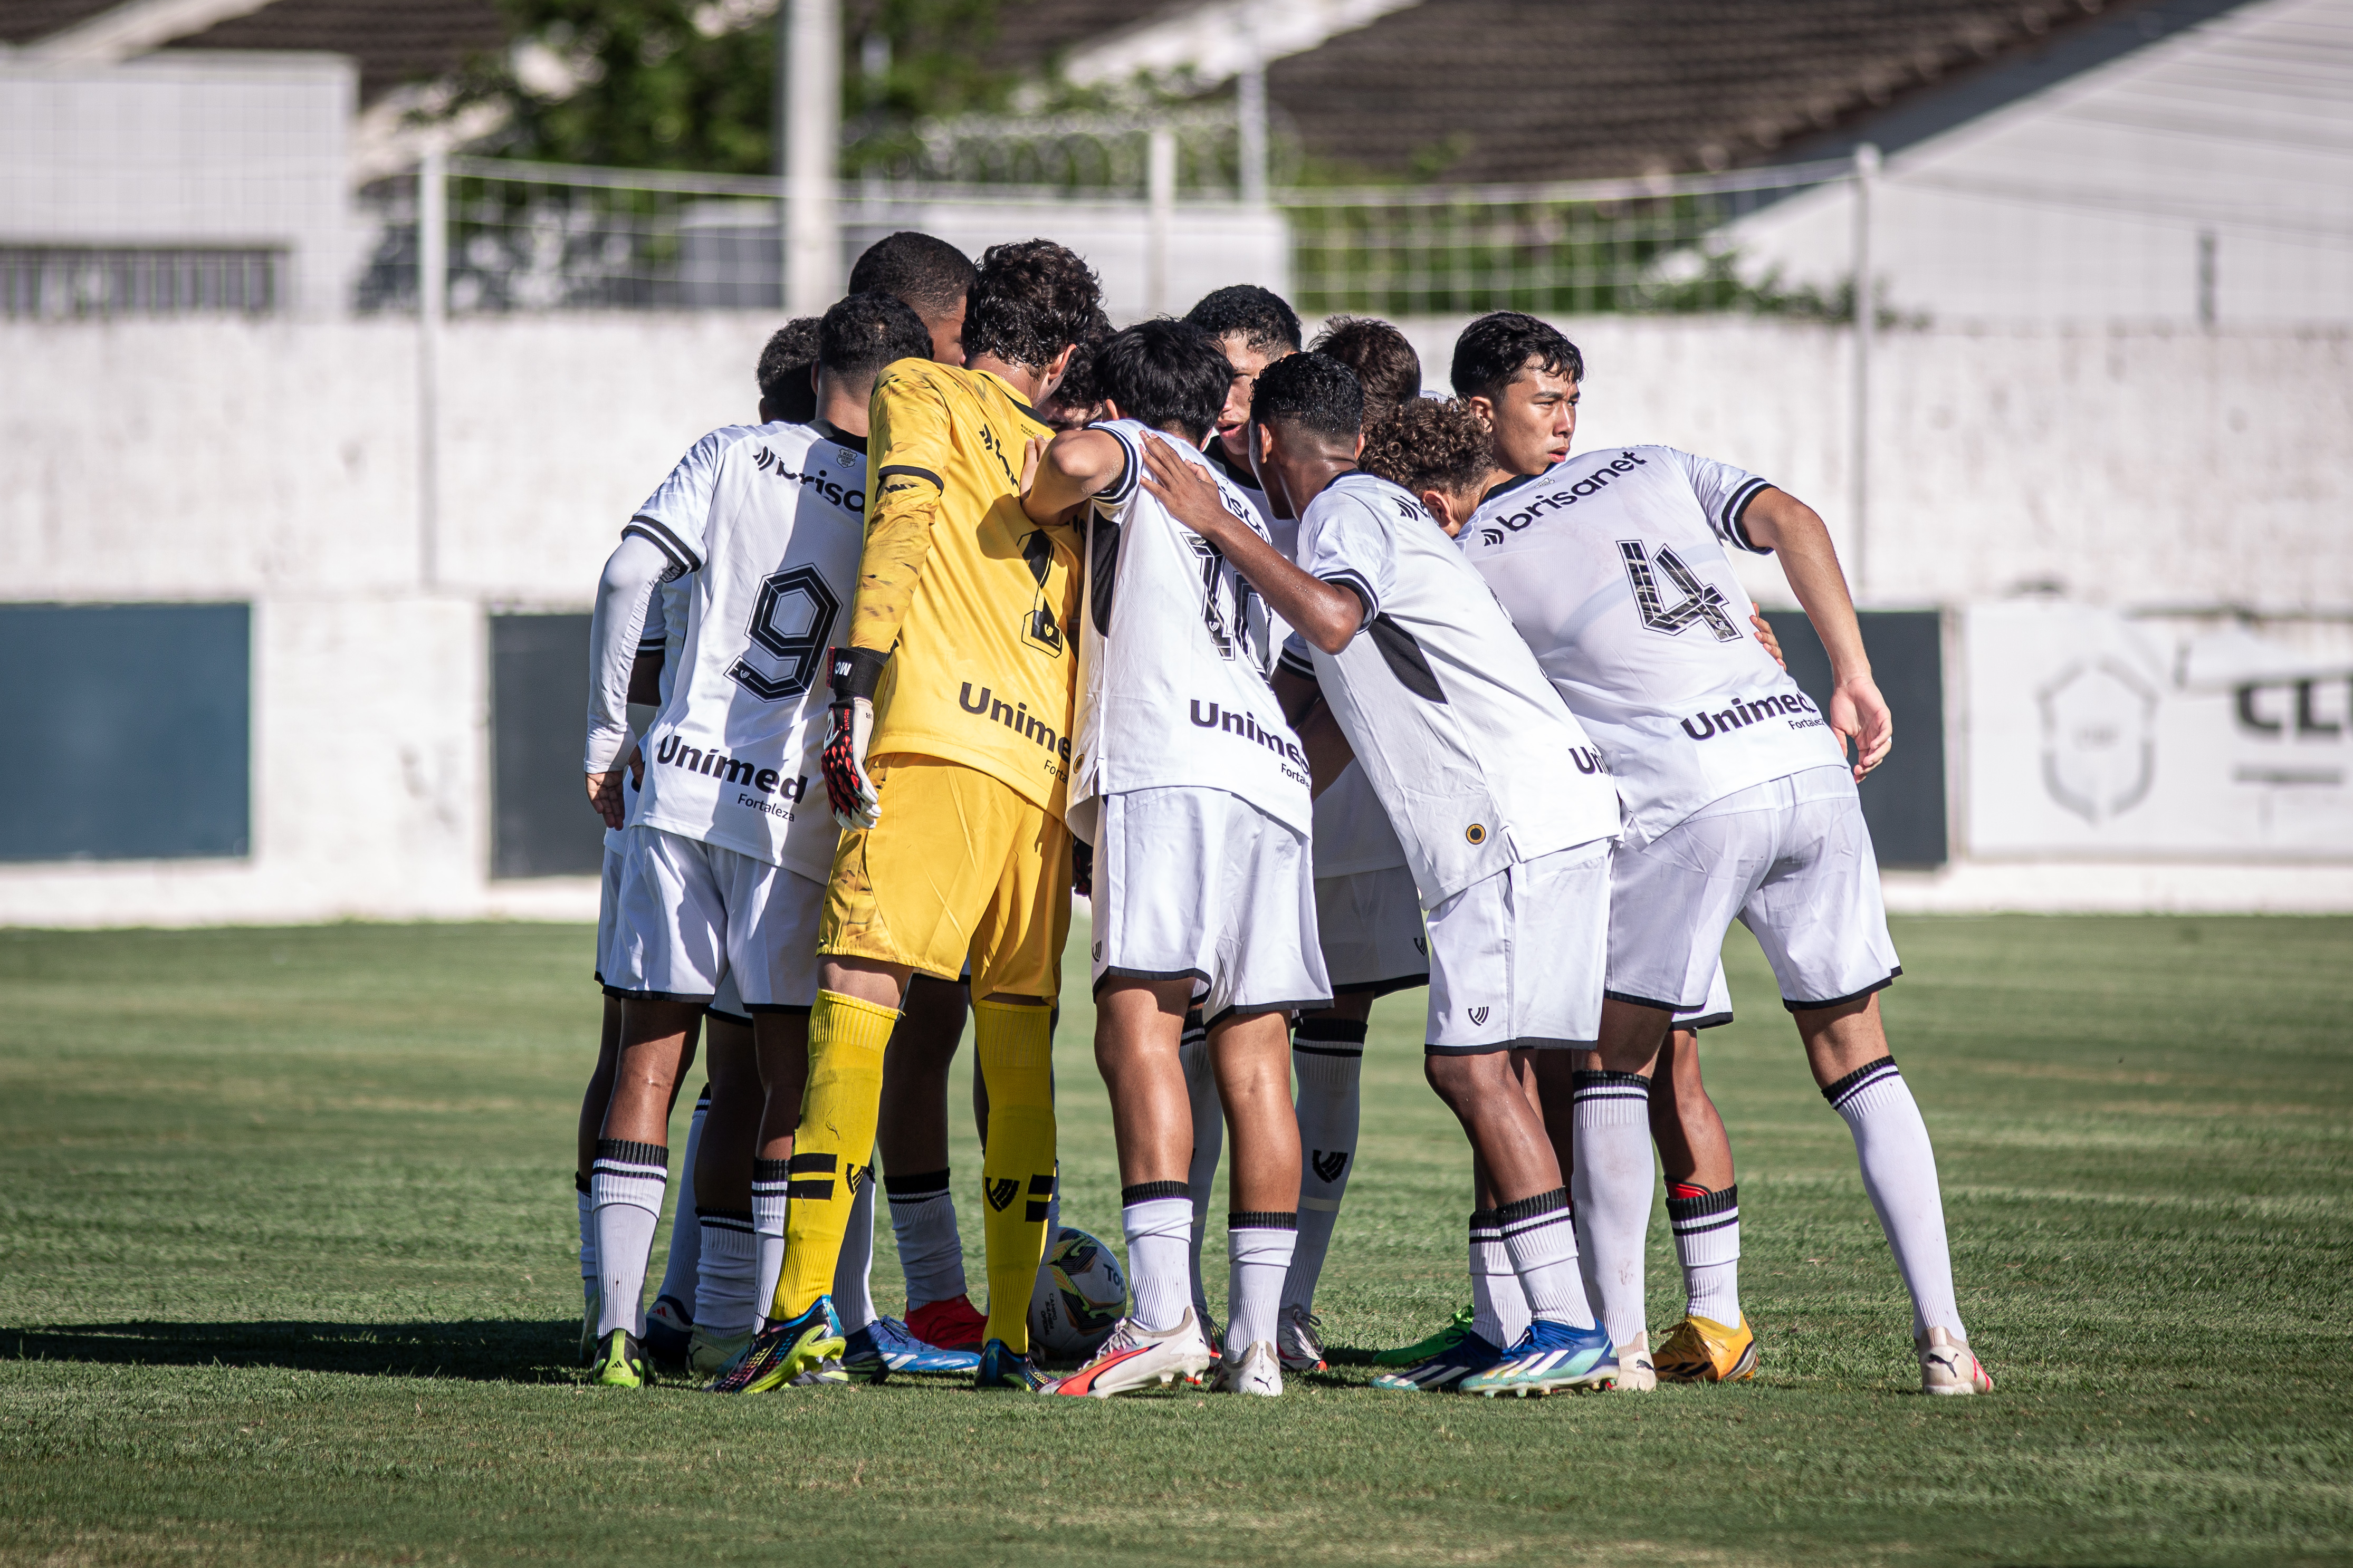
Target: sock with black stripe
1499,1307
685,1231
923,1223
1328,1056
1208,1143
587,1242
1899,1172
1707,1244
726,1281
625,1188
853,1274
1259,1247
1541,1234
1158,1218
1610,1112
771,1189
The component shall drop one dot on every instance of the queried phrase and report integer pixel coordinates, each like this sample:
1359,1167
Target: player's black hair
784,372
1495,350
1430,444
928,273
1311,392
1030,302
1074,403
1258,315
1170,374
1384,362
866,332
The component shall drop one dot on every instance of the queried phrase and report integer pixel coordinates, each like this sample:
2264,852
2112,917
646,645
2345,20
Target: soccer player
1193,793
933,277
1384,360
723,841
1740,802
788,372
948,762
1255,327
1504,809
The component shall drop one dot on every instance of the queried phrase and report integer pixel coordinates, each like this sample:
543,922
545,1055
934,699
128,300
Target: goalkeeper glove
856,673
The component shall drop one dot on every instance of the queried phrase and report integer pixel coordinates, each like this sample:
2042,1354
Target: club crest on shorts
1477,1014
1421,945
1328,1164
1001,1194
1476,832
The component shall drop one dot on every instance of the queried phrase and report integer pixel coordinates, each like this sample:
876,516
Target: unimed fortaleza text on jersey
1174,657
1473,754
1612,565
972,600
732,759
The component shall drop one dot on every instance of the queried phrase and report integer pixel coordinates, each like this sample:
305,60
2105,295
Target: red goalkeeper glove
856,673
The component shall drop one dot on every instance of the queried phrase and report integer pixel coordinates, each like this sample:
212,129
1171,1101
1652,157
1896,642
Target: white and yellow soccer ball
1081,1294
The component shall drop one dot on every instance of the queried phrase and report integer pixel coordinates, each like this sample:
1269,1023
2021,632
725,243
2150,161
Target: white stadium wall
2046,489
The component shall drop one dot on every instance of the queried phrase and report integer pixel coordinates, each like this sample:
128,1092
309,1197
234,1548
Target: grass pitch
287,1220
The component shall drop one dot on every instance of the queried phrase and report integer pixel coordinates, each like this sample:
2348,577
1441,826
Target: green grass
285,1275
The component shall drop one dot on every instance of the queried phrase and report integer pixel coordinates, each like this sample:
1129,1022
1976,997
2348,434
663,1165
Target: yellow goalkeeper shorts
959,868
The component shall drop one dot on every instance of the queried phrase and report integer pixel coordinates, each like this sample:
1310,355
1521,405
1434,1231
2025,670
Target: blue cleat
800,1351
1443,1373
887,1345
1001,1366
1550,1357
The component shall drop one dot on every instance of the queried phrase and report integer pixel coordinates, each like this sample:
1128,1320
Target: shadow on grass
490,1350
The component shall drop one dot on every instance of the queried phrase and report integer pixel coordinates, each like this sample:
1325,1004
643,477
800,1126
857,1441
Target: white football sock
1707,1244
685,1231
923,1223
1259,1247
728,1277
1328,1055
625,1187
1156,1217
1542,1239
1899,1172
854,1271
1208,1143
1499,1307
770,1180
588,1244
1610,1112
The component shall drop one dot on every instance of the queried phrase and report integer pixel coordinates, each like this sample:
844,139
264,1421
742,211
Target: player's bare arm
1324,615
1782,524
1068,469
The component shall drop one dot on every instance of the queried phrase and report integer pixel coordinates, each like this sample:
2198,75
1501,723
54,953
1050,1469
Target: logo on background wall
2099,739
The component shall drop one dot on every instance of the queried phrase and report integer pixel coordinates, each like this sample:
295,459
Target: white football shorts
693,916
1200,883
1713,1013
1791,860
608,907
1516,959
1370,924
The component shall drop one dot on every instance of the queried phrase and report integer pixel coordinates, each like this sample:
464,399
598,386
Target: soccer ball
1081,1297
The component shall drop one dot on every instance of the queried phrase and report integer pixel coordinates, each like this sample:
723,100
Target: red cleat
955,1324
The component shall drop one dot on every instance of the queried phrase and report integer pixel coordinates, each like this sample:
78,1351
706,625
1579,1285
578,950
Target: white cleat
1259,1372
1637,1373
1296,1342
1948,1366
1136,1357
707,1354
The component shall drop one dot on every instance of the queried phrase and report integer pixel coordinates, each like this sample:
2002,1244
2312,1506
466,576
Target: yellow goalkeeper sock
846,1041
1014,1046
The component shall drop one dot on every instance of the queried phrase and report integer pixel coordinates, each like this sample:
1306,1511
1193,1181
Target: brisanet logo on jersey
673,753
1624,463
1746,711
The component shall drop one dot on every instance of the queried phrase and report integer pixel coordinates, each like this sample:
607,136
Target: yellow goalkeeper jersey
972,600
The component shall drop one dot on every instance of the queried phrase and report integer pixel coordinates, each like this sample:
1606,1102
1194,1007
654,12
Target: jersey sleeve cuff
1131,470
1736,531
1344,578
1294,657
608,745
666,540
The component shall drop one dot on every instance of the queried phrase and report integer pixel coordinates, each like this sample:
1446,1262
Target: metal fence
51,282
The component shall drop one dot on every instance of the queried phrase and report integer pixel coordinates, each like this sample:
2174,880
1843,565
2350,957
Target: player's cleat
1296,1341
593,1310
1136,1357
1637,1373
790,1354
621,1364
1428,1349
707,1354
1701,1350
1948,1365
885,1346
1259,1372
1444,1373
1001,1366
670,1332
955,1324
1550,1357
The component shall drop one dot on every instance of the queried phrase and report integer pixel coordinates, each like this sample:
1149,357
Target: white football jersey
733,760
1174,654
1613,566
654,636
1476,759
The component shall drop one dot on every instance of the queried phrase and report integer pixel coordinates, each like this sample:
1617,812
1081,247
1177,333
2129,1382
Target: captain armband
856,672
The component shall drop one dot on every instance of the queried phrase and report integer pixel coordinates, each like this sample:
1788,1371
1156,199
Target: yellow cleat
1701,1350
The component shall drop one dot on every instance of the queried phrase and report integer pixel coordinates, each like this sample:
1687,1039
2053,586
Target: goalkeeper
947,761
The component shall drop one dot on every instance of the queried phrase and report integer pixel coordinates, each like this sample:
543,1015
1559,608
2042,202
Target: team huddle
1318,690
